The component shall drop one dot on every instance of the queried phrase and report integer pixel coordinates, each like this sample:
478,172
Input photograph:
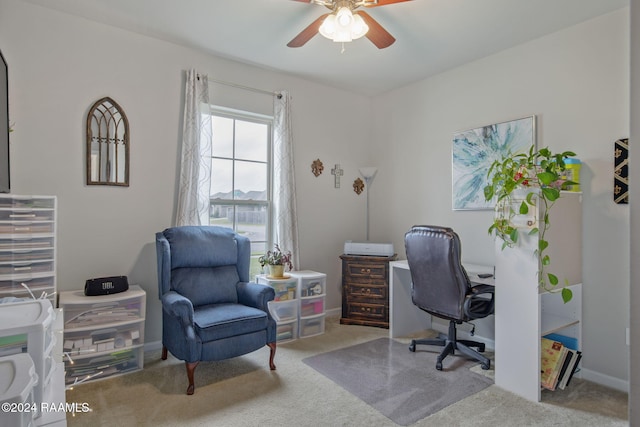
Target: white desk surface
404,317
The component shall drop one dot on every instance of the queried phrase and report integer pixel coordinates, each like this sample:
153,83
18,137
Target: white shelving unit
19,377
27,246
33,328
523,312
103,335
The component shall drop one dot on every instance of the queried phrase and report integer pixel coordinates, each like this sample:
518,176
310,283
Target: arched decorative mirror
107,144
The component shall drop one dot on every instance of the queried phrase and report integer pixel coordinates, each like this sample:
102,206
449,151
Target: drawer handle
366,309
365,270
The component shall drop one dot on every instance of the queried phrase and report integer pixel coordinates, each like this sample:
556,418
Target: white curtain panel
284,195
195,166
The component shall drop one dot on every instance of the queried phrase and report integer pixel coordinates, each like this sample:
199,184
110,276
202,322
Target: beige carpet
244,392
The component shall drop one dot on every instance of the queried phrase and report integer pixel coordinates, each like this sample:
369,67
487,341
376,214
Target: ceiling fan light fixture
328,27
344,17
343,26
359,27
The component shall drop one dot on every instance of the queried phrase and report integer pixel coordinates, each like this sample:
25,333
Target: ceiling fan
344,23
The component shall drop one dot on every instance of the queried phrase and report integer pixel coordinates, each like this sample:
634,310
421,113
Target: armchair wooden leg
164,353
191,367
272,354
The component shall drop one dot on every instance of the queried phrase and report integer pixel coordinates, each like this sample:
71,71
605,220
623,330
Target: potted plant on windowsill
277,260
518,183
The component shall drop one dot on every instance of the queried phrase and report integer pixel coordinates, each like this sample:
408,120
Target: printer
368,248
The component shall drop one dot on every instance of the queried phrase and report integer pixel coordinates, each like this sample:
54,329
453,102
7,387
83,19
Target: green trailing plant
541,175
277,257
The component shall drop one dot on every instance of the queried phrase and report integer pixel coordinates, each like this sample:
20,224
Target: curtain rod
252,89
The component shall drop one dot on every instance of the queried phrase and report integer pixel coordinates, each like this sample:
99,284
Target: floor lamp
368,173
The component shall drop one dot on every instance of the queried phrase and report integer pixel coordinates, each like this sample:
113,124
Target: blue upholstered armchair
210,310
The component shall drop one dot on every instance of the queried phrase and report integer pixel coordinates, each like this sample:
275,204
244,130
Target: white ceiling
432,35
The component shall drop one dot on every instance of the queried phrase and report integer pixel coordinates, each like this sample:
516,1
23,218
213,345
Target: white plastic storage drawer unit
27,327
312,288
284,307
28,246
103,335
19,378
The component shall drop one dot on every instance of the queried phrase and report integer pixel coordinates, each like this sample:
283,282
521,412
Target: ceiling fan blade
308,33
378,35
380,2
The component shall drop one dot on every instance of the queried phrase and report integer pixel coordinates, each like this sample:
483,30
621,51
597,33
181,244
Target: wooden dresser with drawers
365,290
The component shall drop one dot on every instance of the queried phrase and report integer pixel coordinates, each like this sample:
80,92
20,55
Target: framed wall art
621,172
474,151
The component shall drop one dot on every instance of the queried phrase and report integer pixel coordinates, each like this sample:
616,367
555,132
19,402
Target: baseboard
605,380
334,312
152,346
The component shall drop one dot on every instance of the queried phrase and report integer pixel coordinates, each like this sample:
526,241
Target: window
240,177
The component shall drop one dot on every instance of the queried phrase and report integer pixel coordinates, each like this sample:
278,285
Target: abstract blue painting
476,149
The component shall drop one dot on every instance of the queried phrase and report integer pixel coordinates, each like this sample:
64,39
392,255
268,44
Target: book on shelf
562,378
552,356
558,363
572,370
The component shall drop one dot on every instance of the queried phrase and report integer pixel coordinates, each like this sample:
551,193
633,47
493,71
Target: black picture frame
5,176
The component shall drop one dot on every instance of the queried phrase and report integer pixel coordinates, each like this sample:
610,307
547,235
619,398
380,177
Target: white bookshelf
524,313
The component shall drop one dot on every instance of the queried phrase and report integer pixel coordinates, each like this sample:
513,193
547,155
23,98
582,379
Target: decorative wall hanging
476,149
107,148
317,167
358,186
337,172
621,172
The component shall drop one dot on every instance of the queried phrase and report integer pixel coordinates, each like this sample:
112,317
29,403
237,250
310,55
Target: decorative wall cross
337,173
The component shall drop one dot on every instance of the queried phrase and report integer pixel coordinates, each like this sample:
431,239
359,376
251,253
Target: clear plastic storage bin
283,310
312,326
287,331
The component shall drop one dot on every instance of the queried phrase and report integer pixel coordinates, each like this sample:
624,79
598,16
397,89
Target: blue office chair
210,310
440,286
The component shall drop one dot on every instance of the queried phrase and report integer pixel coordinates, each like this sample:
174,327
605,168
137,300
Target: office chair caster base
412,347
439,366
486,367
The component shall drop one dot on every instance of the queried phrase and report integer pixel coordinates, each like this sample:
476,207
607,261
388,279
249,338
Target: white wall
576,83
59,65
